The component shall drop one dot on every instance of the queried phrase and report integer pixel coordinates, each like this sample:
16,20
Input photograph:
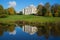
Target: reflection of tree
56,29
11,28
1,32
41,30
49,29
4,28
21,25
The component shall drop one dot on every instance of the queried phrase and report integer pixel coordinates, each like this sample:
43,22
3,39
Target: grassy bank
29,18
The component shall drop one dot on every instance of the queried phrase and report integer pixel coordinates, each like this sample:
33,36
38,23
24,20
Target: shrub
3,15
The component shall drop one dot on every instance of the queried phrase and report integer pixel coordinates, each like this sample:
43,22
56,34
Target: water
25,32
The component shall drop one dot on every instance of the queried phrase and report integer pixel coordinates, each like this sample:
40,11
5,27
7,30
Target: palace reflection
29,29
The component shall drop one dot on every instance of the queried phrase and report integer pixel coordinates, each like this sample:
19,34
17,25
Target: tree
11,11
39,10
59,10
43,11
55,10
6,11
48,10
1,9
20,13
2,12
52,9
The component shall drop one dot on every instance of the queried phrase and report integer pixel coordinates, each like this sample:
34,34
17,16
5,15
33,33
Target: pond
27,32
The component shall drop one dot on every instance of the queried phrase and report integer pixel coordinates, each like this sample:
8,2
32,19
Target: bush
3,15
19,14
32,14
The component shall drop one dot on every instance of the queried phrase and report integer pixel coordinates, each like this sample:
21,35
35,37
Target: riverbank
29,18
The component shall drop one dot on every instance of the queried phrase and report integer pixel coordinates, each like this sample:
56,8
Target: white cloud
41,3
11,4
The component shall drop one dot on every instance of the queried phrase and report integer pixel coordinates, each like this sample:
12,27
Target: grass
29,18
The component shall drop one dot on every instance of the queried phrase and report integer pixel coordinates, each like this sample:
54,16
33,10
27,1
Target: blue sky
20,4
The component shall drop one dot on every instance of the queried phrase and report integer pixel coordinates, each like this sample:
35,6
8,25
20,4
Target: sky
21,4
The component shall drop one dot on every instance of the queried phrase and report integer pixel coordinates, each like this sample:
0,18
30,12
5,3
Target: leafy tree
43,11
48,10
59,10
6,11
21,13
52,9
11,11
1,9
39,10
56,10
2,12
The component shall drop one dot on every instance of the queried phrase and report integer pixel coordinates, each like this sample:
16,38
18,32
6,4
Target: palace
29,10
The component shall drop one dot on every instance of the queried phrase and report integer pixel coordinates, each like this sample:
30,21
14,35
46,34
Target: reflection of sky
12,33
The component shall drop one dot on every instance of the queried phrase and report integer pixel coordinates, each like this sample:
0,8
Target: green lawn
30,18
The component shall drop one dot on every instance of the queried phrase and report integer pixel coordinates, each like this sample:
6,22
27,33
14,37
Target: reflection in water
49,29
29,29
12,33
41,31
1,32
9,28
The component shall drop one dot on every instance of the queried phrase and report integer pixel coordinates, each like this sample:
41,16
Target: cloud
11,4
41,3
